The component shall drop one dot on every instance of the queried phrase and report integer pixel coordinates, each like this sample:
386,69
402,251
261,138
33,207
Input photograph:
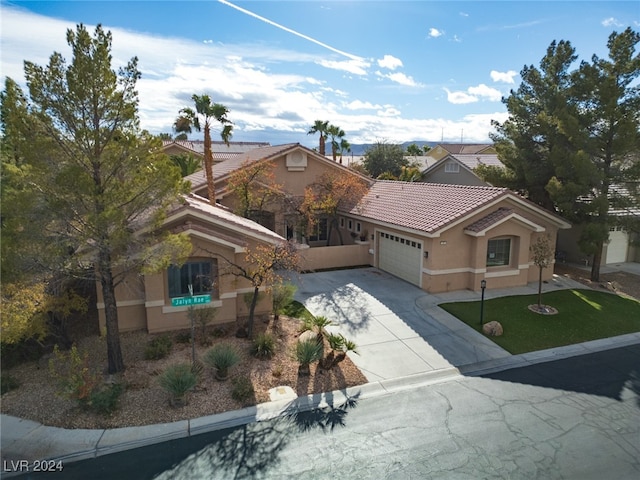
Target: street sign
188,301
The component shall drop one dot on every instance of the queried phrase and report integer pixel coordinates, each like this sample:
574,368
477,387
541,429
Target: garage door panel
400,256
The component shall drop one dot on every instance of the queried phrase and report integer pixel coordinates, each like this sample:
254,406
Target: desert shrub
242,389
104,399
221,357
204,316
8,383
183,337
282,295
263,346
178,380
158,348
76,380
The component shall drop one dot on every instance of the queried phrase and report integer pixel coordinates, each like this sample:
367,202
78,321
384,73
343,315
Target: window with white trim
452,167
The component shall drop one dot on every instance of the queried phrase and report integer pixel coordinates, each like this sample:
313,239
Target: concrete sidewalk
404,340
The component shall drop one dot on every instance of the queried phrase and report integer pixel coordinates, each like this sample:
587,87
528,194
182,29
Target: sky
391,71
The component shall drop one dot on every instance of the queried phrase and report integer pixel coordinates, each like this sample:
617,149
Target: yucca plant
263,346
307,352
178,380
222,357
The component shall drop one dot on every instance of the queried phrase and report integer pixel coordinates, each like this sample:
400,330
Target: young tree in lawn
101,181
201,118
542,254
255,188
330,194
264,266
320,127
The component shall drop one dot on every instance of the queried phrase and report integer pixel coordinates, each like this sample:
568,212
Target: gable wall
462,177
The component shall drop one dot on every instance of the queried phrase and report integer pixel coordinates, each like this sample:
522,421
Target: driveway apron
398,328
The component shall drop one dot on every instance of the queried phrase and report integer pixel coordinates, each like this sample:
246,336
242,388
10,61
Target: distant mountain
361,148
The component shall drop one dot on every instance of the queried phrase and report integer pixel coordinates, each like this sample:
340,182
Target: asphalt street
573,418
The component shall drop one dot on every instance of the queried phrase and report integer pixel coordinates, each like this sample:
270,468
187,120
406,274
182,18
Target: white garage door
400,256
617,246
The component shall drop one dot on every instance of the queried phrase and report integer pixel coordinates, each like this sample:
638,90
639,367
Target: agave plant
178,380
307,352
222,357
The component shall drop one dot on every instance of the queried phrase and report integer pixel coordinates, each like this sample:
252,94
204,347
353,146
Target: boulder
307,335
493,329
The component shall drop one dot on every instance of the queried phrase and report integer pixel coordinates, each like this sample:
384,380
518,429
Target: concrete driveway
398,328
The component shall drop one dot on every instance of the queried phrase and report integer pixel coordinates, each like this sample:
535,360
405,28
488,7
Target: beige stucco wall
321,258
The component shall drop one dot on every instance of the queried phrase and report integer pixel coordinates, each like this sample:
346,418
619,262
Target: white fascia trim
411,231
229,226
513,216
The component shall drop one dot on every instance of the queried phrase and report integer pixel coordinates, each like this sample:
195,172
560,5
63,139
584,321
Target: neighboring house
435,236
457,169
622,246
443,149
220,150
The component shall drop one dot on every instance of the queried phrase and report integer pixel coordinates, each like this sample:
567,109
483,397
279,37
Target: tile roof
198,179
457,148
489,220
472,160
221,213
197,146
423,206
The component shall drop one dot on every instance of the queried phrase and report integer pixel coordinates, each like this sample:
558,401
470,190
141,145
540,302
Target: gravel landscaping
144,402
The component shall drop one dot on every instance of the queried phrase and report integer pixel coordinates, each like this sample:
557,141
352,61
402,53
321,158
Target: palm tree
320,127
344,146
201,118
336,134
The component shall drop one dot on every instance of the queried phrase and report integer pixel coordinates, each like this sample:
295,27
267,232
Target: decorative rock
307,335
282,393
493,329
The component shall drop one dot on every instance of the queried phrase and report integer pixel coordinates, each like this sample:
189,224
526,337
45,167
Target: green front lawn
583,315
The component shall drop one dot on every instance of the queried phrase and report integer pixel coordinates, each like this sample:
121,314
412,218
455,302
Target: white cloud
389,111
505,77
390,62
403,79
482,90
435,33
464,14
360,105
611,22
357,67
474,94
457,39
459,98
